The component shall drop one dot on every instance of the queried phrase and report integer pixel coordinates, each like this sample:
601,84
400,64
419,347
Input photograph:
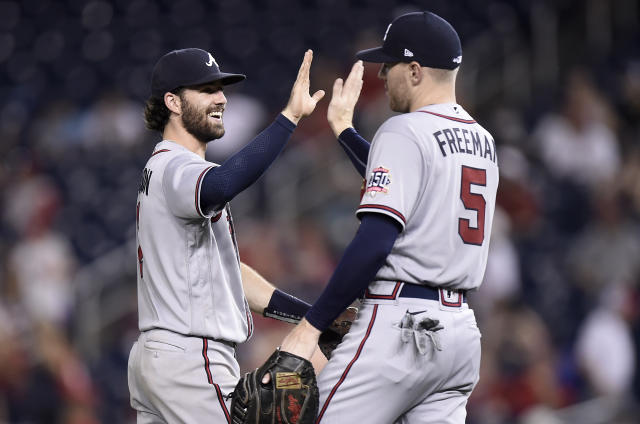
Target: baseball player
194,294
413,353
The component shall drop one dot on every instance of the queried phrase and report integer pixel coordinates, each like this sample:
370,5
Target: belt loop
451,298
392,296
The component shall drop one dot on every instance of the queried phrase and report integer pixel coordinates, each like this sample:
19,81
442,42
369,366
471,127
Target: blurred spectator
517,192
41,263
42,377
608,249
605,348
629,178
502,276
517,369
114,121
42,380
578,143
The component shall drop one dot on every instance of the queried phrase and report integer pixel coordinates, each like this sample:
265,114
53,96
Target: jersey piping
451,118
160,151
384,208
198,183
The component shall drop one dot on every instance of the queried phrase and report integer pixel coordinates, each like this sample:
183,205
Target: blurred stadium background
556,82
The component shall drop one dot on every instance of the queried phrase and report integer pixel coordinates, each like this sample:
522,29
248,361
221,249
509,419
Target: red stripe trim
198,191
160,151
346,371
391,296
205,346
451,118
217,217
384,208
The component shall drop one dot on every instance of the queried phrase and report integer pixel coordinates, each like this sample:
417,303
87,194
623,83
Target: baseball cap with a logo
421,36
187,67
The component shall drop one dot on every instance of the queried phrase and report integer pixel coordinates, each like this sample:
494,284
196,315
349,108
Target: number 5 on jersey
472,201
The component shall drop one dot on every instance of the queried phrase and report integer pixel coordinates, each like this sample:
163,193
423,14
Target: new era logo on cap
408,53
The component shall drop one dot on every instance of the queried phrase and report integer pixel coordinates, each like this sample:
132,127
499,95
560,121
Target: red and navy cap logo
378,181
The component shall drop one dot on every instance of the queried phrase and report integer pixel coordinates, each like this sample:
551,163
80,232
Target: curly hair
156,113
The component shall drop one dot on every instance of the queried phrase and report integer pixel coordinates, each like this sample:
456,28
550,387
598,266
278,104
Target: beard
399,100
197,122
396,105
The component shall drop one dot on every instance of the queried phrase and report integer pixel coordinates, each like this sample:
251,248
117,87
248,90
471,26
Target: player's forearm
361,261
269,301
257,290
226,181
302,340
356,148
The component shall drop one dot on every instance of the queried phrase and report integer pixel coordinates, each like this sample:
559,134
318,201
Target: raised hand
344,98
301,103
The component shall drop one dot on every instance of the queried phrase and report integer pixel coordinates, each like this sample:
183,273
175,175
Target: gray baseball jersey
414,351
435,172
191,304
188,267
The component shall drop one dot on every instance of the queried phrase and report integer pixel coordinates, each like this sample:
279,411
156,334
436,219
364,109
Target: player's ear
415,72
173,102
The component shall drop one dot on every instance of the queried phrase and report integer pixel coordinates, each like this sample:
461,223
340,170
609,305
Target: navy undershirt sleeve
224,182
360,262
357,149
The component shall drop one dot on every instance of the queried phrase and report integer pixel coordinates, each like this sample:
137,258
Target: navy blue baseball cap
187,67
421,36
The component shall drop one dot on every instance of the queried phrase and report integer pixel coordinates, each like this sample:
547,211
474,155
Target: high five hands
344,98
301,103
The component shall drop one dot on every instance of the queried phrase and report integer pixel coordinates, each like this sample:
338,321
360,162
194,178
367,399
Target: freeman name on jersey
460,140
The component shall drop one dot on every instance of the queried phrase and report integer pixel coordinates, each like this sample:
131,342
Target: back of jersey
435,172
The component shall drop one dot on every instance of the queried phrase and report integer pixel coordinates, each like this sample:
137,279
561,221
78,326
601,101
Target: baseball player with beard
194,293
413,353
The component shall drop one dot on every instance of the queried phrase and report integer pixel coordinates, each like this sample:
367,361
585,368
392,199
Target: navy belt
426,292
421,292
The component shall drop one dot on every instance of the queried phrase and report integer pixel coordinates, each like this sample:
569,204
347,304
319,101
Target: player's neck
436,95
179,135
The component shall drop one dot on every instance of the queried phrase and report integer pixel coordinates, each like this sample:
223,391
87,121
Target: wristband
284,307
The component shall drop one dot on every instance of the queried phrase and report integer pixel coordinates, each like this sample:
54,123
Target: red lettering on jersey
140,259
472,201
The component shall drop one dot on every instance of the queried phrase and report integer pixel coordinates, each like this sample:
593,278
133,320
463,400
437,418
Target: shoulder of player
401,125
407,128
166,153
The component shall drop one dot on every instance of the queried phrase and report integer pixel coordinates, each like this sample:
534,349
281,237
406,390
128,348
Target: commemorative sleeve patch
378,181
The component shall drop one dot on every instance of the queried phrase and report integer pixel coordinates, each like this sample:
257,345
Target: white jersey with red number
189,278
435,172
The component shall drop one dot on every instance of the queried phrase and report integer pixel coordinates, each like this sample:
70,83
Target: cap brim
376,55
227,79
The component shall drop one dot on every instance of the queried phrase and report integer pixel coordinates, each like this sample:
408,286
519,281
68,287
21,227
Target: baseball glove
290,397
332,336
